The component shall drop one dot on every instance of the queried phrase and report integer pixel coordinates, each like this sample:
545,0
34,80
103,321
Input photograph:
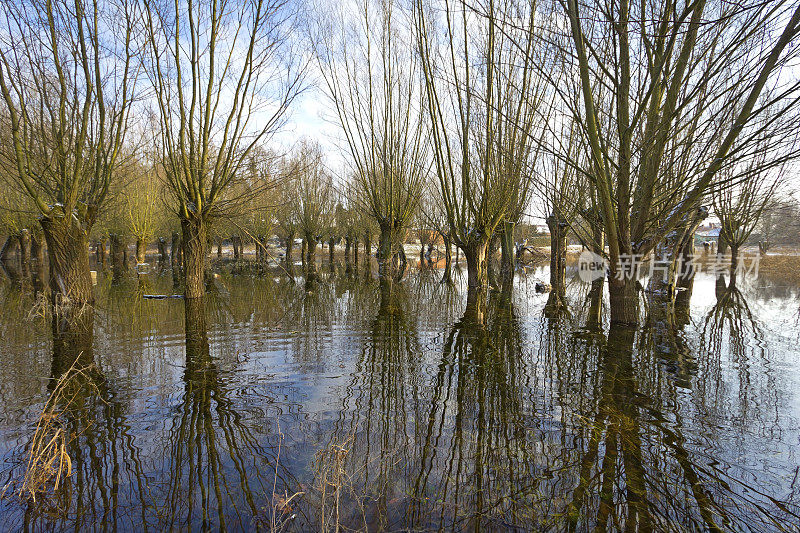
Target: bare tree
478,79
67,77
663,83
224,75
740,206
369,72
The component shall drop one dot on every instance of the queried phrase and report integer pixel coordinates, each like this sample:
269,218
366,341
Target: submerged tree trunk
475,255
447,276
623,300
388,247
492,267
141,248
68,251
558,263
311,259
162,252
175,252
25,251
734,265
117,255
195,242
507,253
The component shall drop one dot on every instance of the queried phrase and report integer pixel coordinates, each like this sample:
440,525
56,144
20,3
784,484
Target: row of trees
618,121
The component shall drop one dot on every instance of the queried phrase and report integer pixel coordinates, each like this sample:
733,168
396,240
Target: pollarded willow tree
315,201
663,83
481,92
370,73
67,78
224,75
739,206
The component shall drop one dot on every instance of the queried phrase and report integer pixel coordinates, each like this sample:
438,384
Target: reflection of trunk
623,300
558,264
197,348
68,250
389,304
73,339
195,241
507,254
475,311
141,247
475,254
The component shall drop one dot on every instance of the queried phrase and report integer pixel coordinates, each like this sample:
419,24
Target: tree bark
388,246
475,254
331,245
195,242
507,253
141,248
25,251
289,245
558,262
117,255
311,259
68,251
447,275
175,252
304,251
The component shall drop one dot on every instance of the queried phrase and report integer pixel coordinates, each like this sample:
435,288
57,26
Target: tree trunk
594,320
475,254
492,267
195,242
331,245
347,244
8,244
25,251
237,252
558,261
311,259
219,248
388,247
304,251
624,300
141,248
734,265
117,254
507,253
68,251
367,248
289,245
162,251
175,252
447,276
355,252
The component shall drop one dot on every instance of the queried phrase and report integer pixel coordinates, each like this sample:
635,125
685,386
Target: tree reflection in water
221,475
452,411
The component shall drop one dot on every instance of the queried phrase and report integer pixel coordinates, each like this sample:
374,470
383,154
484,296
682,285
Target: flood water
398,411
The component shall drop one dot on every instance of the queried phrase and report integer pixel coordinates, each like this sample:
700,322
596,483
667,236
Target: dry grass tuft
48,462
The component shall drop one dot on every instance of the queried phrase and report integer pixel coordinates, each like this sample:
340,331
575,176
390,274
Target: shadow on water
404,406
